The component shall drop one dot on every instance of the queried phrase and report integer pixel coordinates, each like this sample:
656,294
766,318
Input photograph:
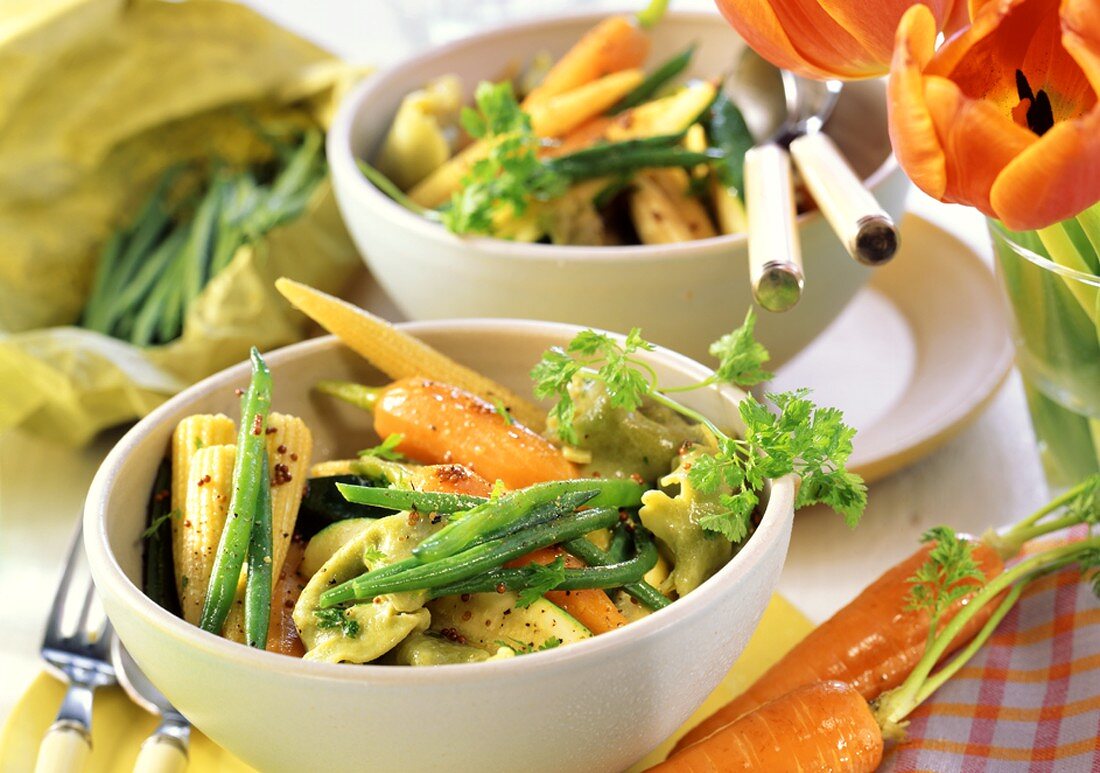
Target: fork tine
57,608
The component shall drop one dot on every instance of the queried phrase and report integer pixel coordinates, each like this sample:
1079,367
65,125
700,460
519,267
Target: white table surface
988,475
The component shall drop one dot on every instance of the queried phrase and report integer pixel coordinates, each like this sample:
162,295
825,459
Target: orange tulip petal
912,130
1081,36
1055,178
875,29
978,142
799,36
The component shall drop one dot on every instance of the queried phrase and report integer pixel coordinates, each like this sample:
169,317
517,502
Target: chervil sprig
795,436
387,449
543,580
511,174
949,573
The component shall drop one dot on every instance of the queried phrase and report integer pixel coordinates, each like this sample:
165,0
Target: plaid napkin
1029,700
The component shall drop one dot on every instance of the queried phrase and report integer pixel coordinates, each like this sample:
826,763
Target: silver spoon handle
775,257
858,220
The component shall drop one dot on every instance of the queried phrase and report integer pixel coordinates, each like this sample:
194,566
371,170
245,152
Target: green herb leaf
543,579
523,648
943,578
511,175
502,409
158,522
371,555
387,448
335,617
740,356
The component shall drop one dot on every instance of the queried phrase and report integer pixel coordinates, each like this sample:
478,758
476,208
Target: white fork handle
775,255
161,754
64,749
858,220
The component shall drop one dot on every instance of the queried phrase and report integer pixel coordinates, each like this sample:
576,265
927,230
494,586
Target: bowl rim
343,161
777,518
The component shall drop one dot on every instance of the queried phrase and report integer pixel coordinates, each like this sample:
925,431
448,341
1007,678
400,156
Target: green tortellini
432,649
672,514
623,443
379,624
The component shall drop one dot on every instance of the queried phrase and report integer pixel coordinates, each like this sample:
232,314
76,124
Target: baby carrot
820,726
871,644
442,424
592,607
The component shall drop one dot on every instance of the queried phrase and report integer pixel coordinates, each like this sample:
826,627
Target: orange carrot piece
282,635
587,134
592,608
616,43
872,644
451,479
443,424
825,726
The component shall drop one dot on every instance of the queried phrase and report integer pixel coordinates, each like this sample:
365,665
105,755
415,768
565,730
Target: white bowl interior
221,686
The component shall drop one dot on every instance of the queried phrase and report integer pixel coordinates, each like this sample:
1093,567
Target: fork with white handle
76,643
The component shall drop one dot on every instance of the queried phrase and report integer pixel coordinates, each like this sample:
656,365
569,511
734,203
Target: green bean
601,150
150,318
158,577
474,560
655,80
729,133
519,579
460,533
632,161
640,590
200,243
98,295
388,187
257,589
247,476
144,281
403,499
620,544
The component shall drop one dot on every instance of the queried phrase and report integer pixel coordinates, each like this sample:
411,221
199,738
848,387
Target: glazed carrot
871,644
443,424
592,608
616,43
450,479
282,635
824,726
587,134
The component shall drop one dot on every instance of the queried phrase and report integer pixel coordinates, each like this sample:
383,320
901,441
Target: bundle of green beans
151,272
469,553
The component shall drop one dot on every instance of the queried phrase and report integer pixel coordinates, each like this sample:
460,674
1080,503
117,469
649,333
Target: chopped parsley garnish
541,579
159,521
526,648
335,617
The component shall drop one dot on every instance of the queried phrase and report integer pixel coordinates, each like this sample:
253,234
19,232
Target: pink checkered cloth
1029,700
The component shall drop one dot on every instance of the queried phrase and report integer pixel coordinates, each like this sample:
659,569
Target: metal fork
76,643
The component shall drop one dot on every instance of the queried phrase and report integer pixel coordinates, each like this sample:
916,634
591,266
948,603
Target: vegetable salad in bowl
475,526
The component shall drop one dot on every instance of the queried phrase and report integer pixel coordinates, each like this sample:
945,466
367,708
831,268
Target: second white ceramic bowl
598,705
684,296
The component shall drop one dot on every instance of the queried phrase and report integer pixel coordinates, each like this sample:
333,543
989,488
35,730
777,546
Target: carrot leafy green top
813,442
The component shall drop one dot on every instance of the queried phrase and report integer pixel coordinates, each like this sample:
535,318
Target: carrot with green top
830,725
443,424
873,643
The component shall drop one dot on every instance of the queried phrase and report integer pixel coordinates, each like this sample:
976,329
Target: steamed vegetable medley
592,149
464,534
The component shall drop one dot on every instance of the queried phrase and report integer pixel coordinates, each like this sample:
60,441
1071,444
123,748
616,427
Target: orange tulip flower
846,39
1004,116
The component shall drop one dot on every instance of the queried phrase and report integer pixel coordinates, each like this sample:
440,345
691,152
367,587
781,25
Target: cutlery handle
161,754
858,220
64,749
775,257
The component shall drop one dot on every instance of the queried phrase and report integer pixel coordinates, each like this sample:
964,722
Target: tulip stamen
1038,113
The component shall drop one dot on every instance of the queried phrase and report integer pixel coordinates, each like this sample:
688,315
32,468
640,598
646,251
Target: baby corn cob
655,216
208,490
398,354
675,183
191,434
668,115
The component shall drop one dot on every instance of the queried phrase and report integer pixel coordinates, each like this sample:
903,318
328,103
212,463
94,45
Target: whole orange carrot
442,424
591,607
451,479
871,644
824,726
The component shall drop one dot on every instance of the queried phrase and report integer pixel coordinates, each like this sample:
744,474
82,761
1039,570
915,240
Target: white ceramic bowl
683,295
597,705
